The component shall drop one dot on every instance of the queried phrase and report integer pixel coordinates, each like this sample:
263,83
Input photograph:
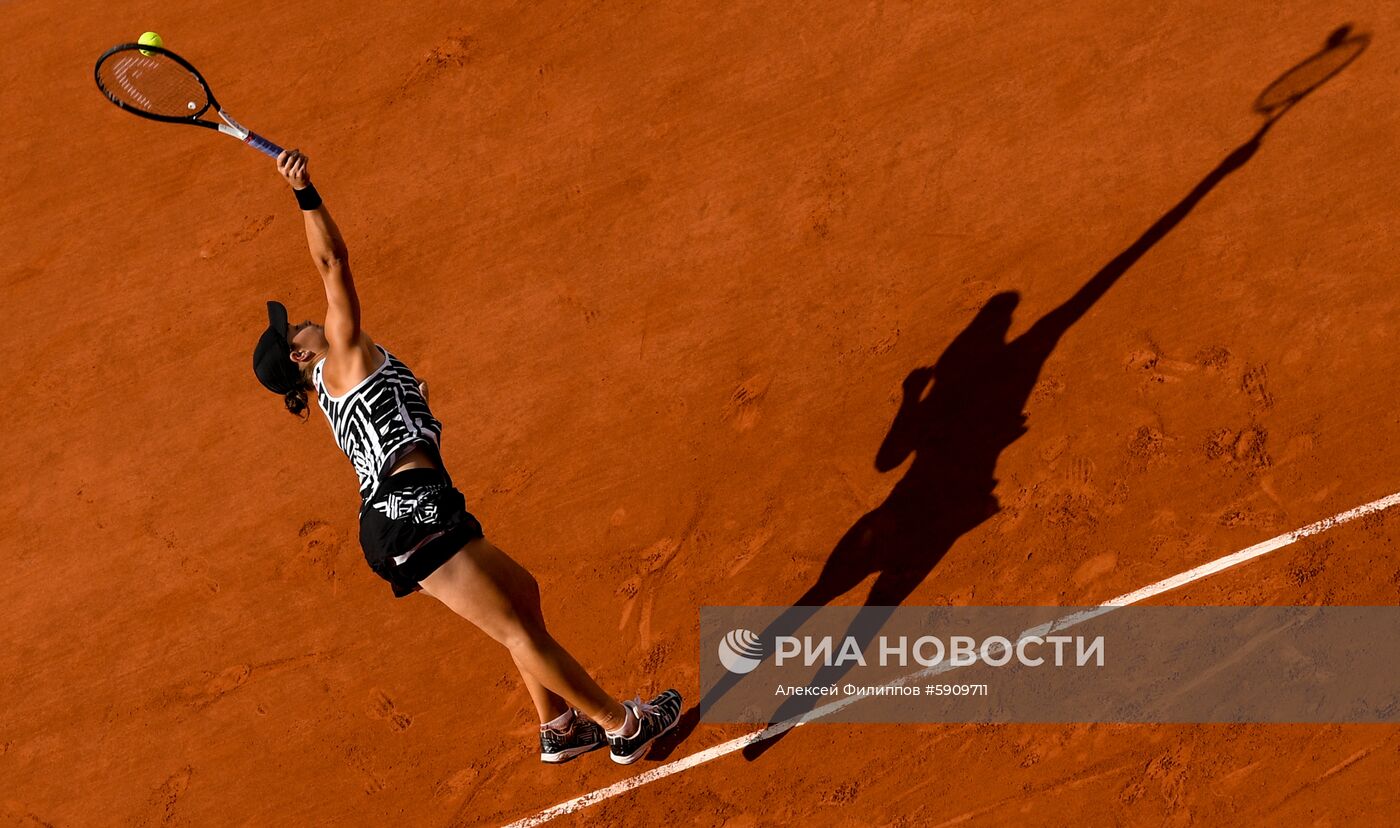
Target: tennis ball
150,39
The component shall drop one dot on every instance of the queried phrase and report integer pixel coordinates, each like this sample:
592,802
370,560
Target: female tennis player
414,527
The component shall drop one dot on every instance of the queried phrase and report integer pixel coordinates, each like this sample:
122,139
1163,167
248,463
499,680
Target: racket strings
153,83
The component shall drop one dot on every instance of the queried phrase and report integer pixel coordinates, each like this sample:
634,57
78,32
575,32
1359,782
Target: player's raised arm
329,253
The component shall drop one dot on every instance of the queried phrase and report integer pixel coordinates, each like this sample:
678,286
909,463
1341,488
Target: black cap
272,362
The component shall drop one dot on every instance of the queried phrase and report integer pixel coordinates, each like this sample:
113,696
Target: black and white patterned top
378,420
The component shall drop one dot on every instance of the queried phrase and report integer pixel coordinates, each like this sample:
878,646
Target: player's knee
524,634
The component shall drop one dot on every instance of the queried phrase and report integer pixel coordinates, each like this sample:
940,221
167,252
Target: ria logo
740,651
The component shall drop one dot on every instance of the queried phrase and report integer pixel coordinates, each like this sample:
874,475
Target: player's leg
549,705
485,586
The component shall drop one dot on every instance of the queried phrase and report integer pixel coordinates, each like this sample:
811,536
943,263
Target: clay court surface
666,267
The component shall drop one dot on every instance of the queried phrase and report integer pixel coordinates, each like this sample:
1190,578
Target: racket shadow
1342,48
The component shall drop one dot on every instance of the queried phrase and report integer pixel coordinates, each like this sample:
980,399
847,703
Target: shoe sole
566,755
642,748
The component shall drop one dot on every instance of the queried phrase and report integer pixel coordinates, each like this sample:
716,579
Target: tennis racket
154,82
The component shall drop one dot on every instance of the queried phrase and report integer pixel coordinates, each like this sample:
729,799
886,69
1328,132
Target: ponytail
295,400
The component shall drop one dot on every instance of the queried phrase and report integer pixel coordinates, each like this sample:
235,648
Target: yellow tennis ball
150,39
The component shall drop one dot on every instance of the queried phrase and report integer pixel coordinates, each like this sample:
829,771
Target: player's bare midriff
418,458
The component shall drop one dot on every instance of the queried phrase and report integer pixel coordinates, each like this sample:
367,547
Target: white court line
1204,570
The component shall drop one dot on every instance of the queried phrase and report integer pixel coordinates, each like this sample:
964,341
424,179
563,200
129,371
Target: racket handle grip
262,145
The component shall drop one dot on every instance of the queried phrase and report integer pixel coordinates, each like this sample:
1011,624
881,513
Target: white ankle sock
562,723
629,725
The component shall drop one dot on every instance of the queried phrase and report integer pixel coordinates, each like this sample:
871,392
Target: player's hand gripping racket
156,83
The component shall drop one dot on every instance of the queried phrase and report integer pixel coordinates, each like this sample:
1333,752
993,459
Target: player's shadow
957,417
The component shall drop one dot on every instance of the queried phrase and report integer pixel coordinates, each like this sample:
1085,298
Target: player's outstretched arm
329,253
